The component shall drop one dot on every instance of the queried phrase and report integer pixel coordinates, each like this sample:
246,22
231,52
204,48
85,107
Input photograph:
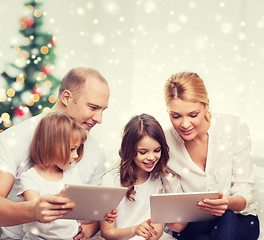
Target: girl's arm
145,229
176,227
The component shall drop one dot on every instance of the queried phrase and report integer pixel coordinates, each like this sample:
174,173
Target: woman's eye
194,115
157,150
175,117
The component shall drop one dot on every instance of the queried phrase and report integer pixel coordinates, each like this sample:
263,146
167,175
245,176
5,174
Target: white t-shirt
228,166
14,146
134,213
59,229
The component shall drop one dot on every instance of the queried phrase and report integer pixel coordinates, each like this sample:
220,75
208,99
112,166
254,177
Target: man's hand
48,208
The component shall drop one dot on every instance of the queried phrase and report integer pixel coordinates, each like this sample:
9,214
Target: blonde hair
187,86
52,138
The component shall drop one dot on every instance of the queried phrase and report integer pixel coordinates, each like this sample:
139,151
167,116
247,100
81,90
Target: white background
137,45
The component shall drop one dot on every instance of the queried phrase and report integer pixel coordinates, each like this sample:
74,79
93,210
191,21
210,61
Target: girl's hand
80,235
216,207
110,217
145,230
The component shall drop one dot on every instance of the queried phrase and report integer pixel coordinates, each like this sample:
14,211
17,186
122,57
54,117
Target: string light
48,84
52,99
44,50
35,97
37,13
46,109
5,117
10,92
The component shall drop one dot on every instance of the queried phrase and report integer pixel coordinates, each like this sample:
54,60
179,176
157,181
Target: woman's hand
145,229
110,217
216,207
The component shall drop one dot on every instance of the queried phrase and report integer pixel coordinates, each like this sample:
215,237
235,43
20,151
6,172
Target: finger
212,204
216,212
65,207
55,199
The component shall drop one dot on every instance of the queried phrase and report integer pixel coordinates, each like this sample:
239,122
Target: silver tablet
92,202
179,207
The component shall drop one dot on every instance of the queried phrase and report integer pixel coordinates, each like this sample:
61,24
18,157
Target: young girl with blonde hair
57,143
144,154
209,152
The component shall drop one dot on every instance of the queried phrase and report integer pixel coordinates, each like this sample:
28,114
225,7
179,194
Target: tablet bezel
179,207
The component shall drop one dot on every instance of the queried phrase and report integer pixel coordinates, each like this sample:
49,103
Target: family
200,152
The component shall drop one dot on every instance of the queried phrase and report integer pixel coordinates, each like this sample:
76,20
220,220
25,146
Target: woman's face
187,117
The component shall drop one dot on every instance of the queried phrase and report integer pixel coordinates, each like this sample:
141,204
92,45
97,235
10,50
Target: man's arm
45,209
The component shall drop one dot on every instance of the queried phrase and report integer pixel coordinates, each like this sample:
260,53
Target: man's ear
66,96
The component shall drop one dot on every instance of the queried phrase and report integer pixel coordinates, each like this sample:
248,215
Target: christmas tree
29,89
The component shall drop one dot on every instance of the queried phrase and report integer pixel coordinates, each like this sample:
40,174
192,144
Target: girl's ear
66,97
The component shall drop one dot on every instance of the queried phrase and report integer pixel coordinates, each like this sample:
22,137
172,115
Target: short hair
75,79
138,127
52,138
187,86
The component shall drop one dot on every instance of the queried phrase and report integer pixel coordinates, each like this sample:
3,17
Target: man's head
83,95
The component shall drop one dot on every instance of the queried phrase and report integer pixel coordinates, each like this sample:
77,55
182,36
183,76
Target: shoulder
228,123
112,178
21,131
93,146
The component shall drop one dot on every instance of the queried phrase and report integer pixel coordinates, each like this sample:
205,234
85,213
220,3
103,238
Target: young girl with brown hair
144,155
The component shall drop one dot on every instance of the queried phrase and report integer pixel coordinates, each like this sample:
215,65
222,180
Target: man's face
88,106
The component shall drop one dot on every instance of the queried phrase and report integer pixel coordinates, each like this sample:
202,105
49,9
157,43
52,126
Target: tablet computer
92,202
179,207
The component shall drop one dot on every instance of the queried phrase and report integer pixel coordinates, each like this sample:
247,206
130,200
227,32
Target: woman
209,152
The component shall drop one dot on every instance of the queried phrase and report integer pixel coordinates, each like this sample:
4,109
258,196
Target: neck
142,176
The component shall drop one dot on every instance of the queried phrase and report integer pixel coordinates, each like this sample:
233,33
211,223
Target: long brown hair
52,137
138,127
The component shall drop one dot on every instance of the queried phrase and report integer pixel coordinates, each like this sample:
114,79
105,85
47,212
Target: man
83,95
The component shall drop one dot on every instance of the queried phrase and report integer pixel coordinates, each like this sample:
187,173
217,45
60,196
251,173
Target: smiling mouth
88,126
187,132
149,165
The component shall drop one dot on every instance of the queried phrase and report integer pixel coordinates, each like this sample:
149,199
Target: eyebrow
172,112
97,106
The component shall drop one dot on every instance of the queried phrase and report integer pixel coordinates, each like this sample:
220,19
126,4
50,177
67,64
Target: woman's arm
145,229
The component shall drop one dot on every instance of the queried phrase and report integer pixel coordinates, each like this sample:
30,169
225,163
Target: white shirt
59,229
133,213
228,166
14,146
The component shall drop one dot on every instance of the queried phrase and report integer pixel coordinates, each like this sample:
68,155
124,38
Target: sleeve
27,182
8,152
171,183
242,174
111,179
